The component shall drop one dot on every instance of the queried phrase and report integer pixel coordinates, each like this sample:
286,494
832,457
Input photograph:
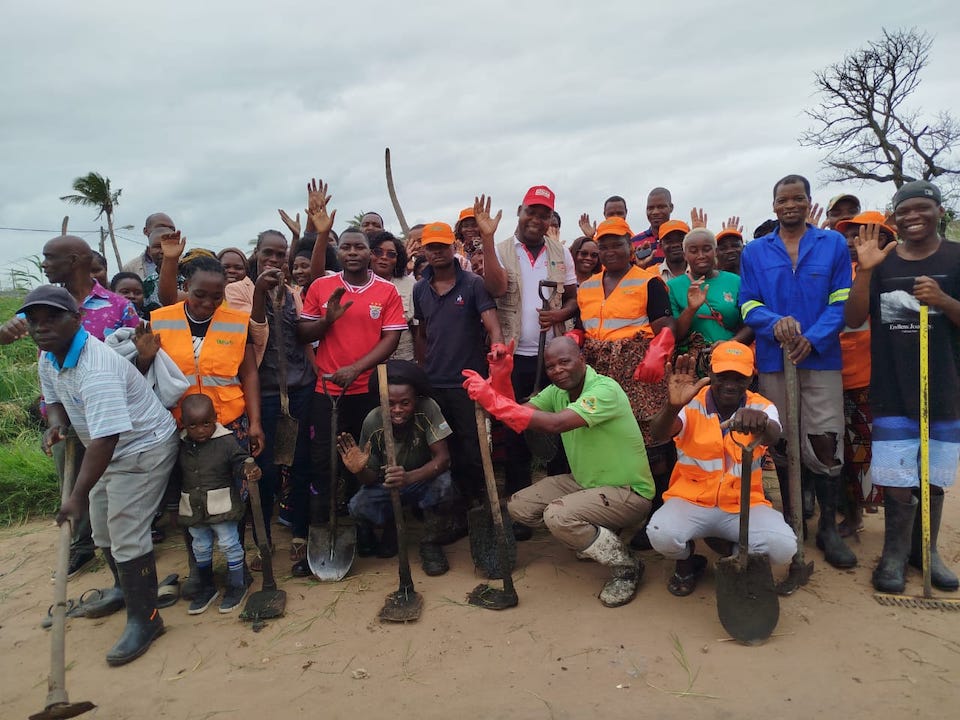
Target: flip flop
168,591
683,585
75,608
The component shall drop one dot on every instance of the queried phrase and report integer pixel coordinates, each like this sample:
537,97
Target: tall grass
28,479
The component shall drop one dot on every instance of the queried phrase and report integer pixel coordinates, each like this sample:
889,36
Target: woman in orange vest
703,499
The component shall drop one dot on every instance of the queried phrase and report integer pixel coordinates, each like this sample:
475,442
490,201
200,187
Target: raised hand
317,203
172,245
146,342
334,309
733,223
697,293
589,229
354,457
293,225
815,214
698,218
869,252
481,210
682,383
13,329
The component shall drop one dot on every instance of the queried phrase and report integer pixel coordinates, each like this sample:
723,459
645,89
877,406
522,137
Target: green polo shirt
608,450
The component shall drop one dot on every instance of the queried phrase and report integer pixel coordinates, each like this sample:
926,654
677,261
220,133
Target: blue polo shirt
813,293
454,331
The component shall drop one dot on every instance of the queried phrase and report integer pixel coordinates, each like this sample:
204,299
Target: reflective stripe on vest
169,325
214,380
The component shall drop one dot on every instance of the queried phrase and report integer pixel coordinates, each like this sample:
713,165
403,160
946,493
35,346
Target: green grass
28,479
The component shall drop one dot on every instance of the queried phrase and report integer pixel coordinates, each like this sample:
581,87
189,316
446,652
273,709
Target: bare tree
864,123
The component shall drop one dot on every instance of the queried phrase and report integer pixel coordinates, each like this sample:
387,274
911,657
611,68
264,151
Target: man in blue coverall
794,283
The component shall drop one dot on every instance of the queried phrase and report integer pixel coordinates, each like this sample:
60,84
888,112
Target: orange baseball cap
672,226
613,226
732,356
437,232
539,195
466,213
870,217
729,232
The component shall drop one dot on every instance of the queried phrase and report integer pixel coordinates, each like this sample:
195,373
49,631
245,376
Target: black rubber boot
138,578
111,599
189,587
432,557
940,575
890,575
835,550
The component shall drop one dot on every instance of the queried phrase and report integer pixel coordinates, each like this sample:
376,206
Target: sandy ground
559,654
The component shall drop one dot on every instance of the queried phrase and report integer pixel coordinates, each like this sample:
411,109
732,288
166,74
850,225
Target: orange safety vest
214,372
855,351
707,472
623,313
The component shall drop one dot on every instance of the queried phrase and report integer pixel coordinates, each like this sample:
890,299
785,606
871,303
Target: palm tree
93,190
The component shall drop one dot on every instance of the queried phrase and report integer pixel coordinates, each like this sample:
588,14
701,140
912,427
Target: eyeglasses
380,252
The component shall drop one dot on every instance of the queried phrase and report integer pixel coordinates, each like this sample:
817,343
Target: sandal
683,585
75,608
298,549
168,591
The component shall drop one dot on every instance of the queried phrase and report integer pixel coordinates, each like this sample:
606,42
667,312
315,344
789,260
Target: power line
46,231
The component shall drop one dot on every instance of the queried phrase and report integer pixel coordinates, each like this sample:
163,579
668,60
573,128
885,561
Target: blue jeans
300,470
372,502
228,540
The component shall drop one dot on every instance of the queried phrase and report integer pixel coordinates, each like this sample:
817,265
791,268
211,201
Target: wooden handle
406,581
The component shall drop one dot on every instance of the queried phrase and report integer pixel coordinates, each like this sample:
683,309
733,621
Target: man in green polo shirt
609,486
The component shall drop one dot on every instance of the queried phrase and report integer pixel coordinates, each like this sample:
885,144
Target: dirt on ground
558,655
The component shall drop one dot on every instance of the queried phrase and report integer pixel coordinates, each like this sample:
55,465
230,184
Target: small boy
212,466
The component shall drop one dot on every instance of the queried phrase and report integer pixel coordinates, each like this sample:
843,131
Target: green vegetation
28,479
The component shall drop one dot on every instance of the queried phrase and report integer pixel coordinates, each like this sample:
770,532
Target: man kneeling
609,486
703,500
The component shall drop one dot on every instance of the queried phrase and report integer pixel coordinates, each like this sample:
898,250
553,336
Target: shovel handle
253,485
793,450
493,498
334,456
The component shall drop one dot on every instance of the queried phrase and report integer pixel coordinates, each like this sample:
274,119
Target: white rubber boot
609,550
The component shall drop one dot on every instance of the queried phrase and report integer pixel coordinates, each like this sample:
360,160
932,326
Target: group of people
652,356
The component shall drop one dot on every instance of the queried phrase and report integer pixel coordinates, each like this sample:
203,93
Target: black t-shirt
299,371
895,337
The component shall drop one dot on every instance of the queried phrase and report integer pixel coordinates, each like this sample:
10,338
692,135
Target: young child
130,286
212,465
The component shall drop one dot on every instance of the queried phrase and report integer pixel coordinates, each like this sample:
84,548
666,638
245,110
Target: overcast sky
219,112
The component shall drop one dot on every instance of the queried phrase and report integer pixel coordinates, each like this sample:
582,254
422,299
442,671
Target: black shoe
301,569
522,533
206,593
433,558
79,559
232,597
111,599
138,578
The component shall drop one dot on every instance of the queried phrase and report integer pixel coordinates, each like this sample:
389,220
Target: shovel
483,595
800,570
543,446
406,604
288,428
269,602
331,549
747,600
58,705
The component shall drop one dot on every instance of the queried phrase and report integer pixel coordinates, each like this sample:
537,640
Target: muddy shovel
747,601
331,548
406,604
58,705
543,446
484,595
285,443
269,602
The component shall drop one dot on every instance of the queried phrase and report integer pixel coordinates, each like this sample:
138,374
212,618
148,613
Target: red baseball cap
539,195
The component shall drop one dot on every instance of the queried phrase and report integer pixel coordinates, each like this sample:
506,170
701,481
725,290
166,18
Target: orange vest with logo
707,472
623,313
214,372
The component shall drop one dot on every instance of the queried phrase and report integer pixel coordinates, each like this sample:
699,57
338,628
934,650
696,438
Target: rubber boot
940,575
235,592
890,574
627,569
111,599
206,591
138,578
835,550
189,587
432,557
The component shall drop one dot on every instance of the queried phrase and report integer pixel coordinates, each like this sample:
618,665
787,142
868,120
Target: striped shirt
103,394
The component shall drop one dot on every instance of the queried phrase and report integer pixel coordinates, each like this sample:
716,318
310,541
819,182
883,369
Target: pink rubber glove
500,360
577,335
651,368
514,416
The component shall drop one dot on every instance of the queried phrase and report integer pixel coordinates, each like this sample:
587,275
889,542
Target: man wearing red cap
703,499
512,272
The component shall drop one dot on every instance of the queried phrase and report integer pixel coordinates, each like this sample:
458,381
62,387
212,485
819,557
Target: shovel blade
285,443
747,601
483,542
63,710
329,555
264,605
402,606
